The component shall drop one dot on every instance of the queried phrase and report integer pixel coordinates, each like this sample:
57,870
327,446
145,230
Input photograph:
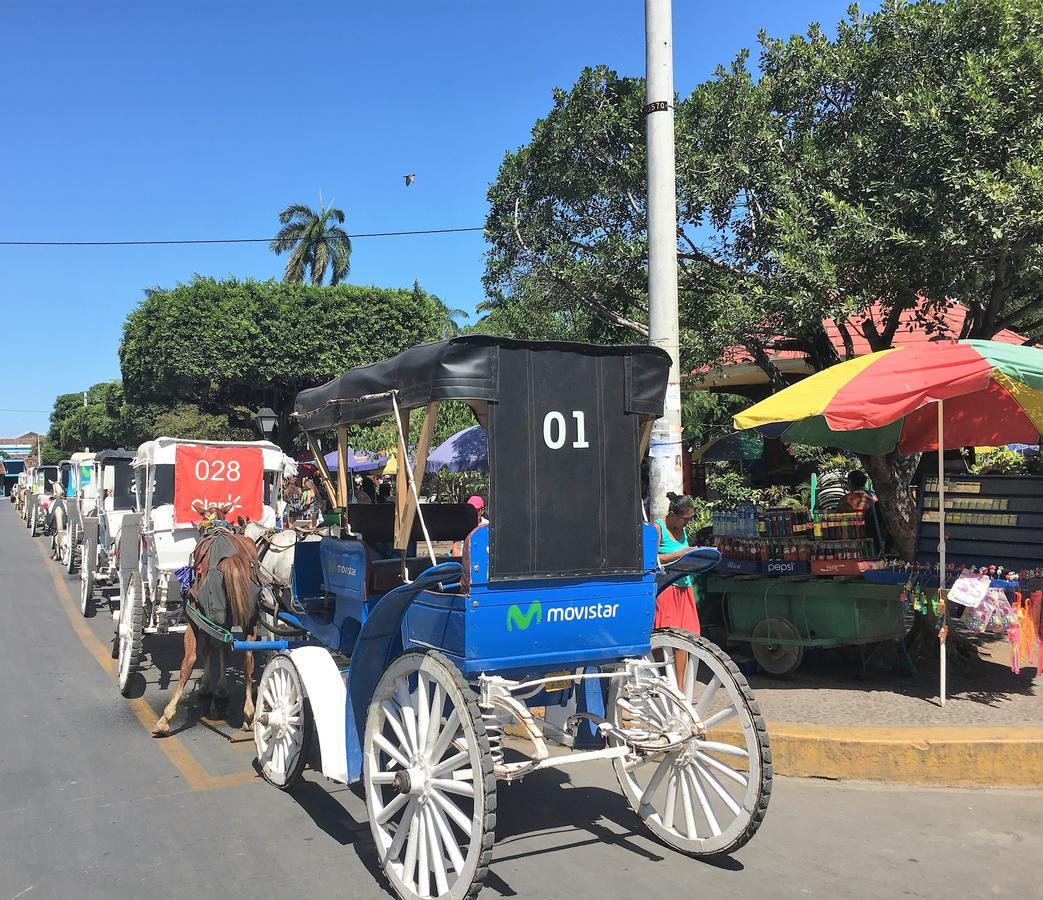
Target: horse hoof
161,729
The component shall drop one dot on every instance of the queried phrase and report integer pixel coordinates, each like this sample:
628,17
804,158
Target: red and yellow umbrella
992,393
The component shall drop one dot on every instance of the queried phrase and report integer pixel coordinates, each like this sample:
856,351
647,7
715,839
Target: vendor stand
788,581
911,399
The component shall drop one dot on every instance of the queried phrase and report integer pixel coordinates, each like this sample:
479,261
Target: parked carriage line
406,672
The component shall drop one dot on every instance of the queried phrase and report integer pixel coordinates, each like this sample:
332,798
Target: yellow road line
180,756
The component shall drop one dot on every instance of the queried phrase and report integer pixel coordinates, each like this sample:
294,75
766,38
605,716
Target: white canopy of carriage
162,450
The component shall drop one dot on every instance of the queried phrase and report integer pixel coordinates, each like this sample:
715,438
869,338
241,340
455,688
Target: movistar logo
523,620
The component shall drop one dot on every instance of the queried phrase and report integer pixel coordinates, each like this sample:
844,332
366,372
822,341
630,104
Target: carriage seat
386,574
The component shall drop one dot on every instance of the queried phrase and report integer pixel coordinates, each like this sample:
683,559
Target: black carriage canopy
564,425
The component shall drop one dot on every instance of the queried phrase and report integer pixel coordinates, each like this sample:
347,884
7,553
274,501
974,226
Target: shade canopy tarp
465,451
992,394
736,446
358,461
463,368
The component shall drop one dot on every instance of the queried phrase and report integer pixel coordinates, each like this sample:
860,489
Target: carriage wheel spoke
453,811
452,848
382,777
686,803
719,789
724,749
449,786
664,768
704,801
396,726
671,800
423,711
423,881
434,720
404,825
449,764
391,750
691,673
397,802
448,732
408,706
721,716
412,842
435,849
707,698
726,770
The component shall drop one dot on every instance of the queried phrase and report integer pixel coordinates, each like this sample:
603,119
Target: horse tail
238,575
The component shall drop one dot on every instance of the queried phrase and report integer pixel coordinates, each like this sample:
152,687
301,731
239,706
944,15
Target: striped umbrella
992,394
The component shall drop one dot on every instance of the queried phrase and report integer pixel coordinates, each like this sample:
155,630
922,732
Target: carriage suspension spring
494,731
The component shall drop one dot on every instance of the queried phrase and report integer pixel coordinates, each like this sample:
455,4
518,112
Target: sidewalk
832,720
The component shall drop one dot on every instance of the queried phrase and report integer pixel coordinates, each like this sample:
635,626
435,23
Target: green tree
185,420
99,418
896,162
233,346
314,243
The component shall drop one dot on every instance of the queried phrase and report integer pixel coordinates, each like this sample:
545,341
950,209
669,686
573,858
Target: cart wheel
282,723
777,659
709,797
430,790
69,546
86,590
130,634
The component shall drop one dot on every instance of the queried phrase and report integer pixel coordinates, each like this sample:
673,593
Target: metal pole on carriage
665,445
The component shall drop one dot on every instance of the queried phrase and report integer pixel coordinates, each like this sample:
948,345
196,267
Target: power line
267,240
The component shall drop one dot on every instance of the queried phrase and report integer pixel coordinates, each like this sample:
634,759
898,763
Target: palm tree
313,242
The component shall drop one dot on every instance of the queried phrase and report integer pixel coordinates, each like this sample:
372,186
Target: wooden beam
402,481
324,472
427,432
646,436
342,466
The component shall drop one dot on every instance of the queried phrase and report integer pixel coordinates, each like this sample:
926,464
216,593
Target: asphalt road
92,806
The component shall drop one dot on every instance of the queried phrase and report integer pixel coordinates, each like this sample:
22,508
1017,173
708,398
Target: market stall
911,399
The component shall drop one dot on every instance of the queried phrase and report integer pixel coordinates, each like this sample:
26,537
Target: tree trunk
892,477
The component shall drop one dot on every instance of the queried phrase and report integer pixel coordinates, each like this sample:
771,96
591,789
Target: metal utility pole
665,445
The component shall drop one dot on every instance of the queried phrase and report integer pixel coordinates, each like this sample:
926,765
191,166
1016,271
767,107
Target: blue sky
171,119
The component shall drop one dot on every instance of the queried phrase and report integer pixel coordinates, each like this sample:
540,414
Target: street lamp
266,420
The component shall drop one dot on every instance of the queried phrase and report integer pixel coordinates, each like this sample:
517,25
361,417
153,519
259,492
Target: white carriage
80,500
174,479
40,492
101,522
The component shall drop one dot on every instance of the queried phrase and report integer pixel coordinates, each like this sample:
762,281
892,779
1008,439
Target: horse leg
204,687
219,703
188,661
248,677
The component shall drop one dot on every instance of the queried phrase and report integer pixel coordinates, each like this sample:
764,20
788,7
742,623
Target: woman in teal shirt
675,606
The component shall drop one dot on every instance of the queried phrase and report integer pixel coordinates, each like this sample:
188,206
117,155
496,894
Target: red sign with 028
218,476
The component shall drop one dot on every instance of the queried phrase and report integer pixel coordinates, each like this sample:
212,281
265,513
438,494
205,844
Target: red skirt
675,608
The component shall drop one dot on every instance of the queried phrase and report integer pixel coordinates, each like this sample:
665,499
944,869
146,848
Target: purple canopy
465,451
359,461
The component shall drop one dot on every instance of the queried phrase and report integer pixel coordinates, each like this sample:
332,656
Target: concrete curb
971,756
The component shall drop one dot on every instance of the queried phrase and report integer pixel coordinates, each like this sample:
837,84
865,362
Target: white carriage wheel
70,550
427,770
282,723
708,797
86,589
130,634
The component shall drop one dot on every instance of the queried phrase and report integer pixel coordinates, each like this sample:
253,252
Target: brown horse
239,584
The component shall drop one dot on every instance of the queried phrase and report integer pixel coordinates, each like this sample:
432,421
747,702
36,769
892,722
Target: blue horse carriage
430,678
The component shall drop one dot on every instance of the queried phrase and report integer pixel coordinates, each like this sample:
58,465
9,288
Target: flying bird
409,179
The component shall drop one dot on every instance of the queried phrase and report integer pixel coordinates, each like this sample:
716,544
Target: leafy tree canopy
896,160
230,347
106,420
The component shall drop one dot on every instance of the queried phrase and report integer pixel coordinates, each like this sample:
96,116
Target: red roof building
739,371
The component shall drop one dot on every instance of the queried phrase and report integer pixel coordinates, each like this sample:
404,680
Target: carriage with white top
101,521
430,678
44,482
174,481
80,492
